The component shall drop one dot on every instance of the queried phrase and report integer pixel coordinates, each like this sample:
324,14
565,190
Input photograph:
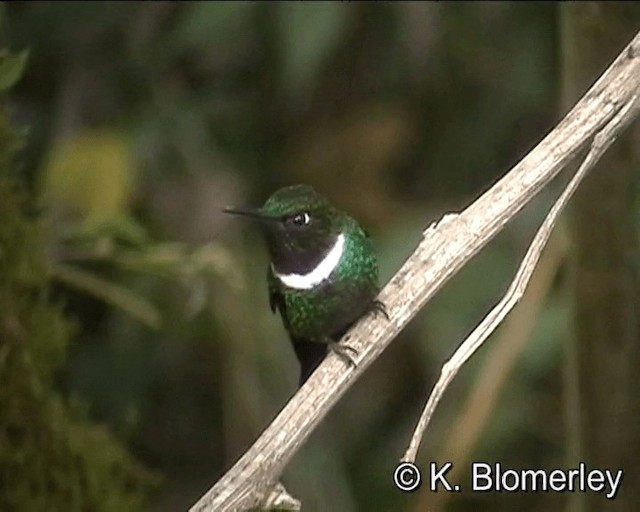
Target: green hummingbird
323,274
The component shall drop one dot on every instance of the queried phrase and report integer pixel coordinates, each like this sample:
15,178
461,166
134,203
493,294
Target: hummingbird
323,274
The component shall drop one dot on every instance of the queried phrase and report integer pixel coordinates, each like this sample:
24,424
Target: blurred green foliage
51,457
91,174
146,119
11,68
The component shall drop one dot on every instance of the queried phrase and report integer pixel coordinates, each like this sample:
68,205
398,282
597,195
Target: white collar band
322,271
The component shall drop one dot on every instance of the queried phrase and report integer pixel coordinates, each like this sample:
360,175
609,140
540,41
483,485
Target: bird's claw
343,351
379,307
347,352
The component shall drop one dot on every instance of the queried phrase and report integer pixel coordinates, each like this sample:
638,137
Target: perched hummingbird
323,274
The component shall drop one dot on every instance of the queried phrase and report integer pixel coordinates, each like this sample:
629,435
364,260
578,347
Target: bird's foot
346,352
379,307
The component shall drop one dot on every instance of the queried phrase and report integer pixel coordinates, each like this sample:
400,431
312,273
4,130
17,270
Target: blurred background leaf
309,33
11,68
91,175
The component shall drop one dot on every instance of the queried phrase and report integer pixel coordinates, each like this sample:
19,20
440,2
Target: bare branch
443,251
474,341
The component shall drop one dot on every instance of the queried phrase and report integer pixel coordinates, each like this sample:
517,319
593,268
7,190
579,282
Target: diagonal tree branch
444,249
602,141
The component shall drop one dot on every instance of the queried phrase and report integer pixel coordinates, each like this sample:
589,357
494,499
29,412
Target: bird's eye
301,219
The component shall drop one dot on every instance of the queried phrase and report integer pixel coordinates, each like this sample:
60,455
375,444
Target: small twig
280,499
502,355
601,142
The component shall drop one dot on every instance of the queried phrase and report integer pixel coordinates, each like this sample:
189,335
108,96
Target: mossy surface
51,457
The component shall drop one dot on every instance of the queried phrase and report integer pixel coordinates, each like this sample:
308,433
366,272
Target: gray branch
490,323
442,252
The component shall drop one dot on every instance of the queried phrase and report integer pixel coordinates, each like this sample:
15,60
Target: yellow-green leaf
90,175
11,68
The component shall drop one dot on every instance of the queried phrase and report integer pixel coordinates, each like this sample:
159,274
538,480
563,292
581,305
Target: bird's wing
276,299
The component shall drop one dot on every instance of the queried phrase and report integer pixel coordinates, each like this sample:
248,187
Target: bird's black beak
254,213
